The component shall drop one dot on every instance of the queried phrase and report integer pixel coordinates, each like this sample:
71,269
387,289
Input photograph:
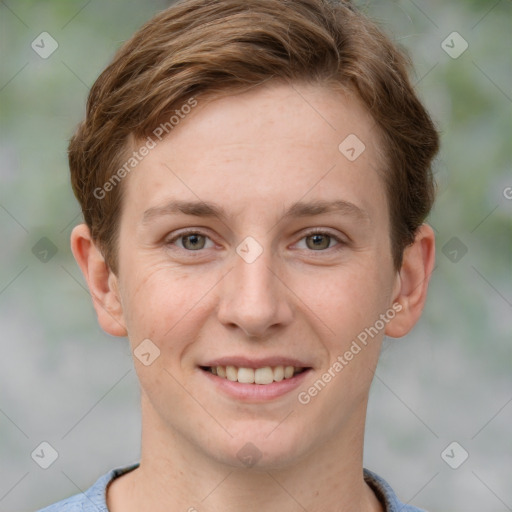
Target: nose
254,297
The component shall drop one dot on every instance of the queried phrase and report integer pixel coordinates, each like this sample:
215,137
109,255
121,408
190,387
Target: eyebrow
297,209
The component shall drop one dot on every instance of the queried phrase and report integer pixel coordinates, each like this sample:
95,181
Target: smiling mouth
265,375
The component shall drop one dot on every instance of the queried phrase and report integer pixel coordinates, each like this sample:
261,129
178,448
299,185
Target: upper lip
246,362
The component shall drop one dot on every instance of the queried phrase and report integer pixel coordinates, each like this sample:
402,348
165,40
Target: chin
254,448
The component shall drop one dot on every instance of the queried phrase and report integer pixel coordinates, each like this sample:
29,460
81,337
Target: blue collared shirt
95,498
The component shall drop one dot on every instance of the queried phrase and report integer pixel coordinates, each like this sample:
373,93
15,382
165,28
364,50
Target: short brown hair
216,46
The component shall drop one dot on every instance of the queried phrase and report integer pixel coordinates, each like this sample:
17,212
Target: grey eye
193,241
318,241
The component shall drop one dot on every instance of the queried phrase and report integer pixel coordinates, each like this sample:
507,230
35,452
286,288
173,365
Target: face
251,248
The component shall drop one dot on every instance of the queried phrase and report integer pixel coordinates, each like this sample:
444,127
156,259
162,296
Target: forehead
260,149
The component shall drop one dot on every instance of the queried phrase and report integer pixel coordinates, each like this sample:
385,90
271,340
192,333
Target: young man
254,178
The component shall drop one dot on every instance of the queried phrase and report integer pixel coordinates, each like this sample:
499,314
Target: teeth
265,375
246,375
278,373
231,373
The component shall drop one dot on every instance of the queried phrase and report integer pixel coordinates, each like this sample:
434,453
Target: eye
321,240
190,241
193,241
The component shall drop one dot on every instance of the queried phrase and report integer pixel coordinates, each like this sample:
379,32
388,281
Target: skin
255,154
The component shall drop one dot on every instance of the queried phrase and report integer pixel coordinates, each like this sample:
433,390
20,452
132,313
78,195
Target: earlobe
102,283
412,282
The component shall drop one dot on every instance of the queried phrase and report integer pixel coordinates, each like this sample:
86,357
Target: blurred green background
66,382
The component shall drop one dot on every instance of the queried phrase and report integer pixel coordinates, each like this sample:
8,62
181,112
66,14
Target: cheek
348,299
161,302
350,305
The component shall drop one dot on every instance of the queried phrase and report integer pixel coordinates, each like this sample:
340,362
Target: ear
102,282
412,282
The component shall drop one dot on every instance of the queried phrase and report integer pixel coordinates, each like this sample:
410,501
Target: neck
175,476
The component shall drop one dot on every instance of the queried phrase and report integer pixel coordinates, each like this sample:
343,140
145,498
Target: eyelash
340,243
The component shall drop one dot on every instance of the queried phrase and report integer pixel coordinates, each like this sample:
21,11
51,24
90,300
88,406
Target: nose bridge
254,277
253,298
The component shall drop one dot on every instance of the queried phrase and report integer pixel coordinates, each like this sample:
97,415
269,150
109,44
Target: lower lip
256,392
